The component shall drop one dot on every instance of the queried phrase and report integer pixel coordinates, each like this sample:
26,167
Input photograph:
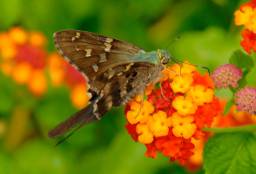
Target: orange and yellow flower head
24,58
171,118
246,16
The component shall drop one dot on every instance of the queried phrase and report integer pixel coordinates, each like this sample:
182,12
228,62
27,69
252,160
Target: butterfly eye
165,59
163,56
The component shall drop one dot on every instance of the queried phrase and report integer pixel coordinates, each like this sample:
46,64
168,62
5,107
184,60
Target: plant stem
247,128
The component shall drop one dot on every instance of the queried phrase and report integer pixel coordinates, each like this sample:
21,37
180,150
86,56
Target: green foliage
209,47
241,60
6,94
230,153
54,106
207,38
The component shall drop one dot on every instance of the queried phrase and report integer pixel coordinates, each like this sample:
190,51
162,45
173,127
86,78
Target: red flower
249,41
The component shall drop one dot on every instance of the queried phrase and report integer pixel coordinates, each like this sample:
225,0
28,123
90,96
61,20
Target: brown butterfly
116,71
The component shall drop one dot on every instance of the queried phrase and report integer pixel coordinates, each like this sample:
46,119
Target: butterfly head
163,56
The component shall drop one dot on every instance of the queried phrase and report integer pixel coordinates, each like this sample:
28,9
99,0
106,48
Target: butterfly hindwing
117,91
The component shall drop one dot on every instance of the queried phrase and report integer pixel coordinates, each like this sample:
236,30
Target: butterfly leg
162,93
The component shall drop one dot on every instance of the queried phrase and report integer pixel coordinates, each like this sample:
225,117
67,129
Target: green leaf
230,153
228,106
241,60
242,82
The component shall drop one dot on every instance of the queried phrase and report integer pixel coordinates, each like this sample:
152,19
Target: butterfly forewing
93,54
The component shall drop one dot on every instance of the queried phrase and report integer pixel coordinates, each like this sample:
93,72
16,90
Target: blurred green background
201,31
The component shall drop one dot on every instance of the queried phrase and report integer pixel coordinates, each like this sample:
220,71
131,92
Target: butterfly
116,71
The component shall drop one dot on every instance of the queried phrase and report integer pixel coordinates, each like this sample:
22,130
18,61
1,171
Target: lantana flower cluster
171,118
245,16
24,58
228,76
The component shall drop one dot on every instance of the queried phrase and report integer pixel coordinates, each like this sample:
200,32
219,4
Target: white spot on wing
95,67
109,40
102,58
128,67
88,52
77,36
107,47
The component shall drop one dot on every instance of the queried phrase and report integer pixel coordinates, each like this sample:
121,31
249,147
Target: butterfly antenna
169,44
199,66
180,62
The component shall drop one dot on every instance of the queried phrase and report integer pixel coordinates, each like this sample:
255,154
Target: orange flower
79,96
37,39
7,47
18,35
22,73
37,83
145,135
56,69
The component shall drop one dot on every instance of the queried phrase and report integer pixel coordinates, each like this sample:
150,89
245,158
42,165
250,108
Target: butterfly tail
84,116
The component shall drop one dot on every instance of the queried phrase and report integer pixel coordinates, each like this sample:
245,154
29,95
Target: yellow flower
139,112
246,16
18,35
183,126
201,94
159,124
184,106
181,83
145,135
243,15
